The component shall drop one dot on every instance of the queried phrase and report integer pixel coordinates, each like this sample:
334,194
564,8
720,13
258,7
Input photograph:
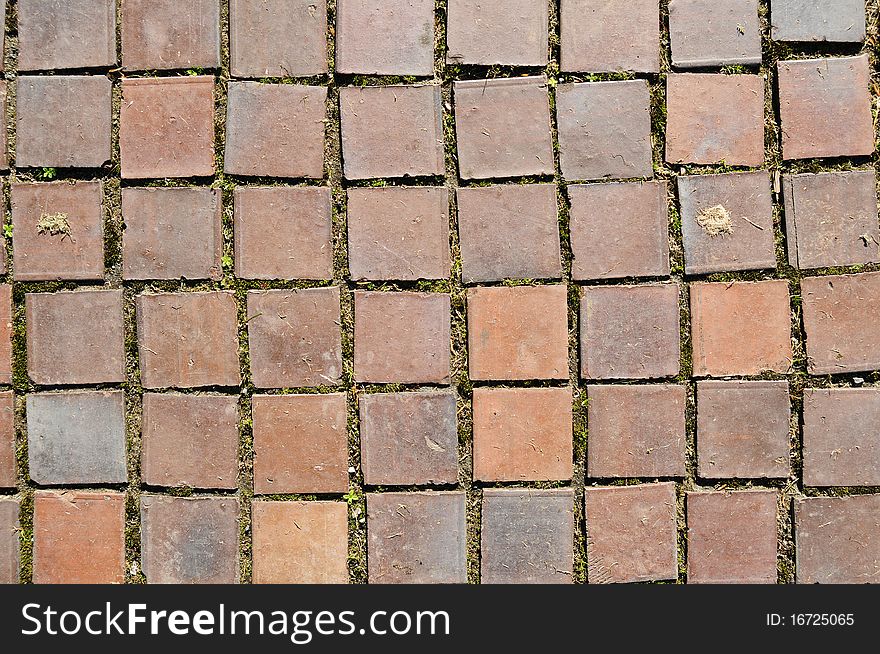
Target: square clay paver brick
630,332
508,232
409,439
522,434
275,130
4,145
385,37
503,127
619,230
604,130
398,233
841,21
2,32
402,337
416,538
166,127
187,340
825,107
172,233
9,541
75,337
837,539
714,118
71,249
632,535
79,538
636,431
278,38
5,334
391,131
506,32
831,219
841,447
710,33
727,222
605,37
189,540
59,34
740,328
300,444
165,34
842,323
731,537
294,337
63,121
527,536
300,542
76,437
518,333
743,429
8,475
190,440
283,232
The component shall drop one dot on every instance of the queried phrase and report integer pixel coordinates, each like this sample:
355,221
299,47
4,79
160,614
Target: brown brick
186,340
275,130
522,434
714,119
706,33
416,538
2,32
518,333
508,232
825,107
8,474
732,537
76,253
507,32
409,439
503,127
4,139
9,541
79,538
631,533
58,34
163,34
636,431
295,337
283,232
5,334
300,444
190,440
841,21
300,542
740,328
75,337
398,233
402,337
166,127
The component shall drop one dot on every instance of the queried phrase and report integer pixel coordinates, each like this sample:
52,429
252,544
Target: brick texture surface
705,33
512,33
6,329
9,541
162,34
61,34
841,21
8,473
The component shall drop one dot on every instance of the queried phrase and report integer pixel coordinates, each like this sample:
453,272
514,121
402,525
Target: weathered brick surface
8,475
163,34
808,20
508,32
4,138
61,34
706,33
9,541
5,334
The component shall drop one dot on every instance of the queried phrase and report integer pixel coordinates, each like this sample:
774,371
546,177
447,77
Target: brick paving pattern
417,291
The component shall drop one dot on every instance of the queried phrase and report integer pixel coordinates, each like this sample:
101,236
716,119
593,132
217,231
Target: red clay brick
808,20
190,440
9,541
166,127
503,127
75,337
631,533
825,107
79,538
275,130
636,431
295,337
409,439
5,334
62,34
740,328
4,153
416,538
743,429
300,542
2,33
402,337
619,230
283,232
507,32
8,475
508,232
517,333
300,444
40,254
715,119
186,340
172,233
398,233
709,33
163,34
